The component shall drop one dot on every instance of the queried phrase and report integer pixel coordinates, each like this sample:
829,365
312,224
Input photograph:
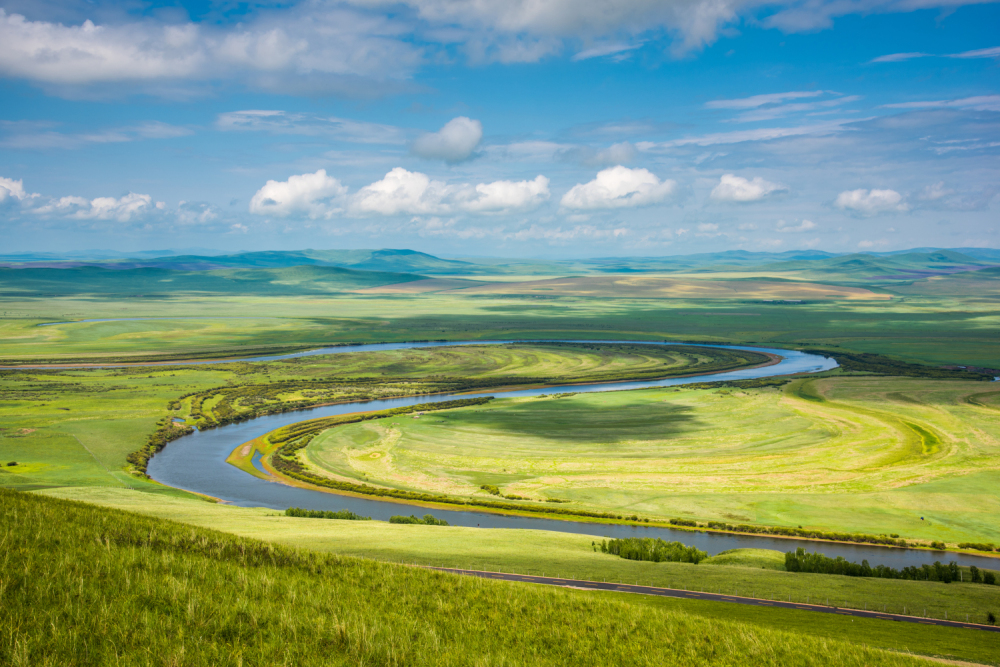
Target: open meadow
143,586
861,454
887,444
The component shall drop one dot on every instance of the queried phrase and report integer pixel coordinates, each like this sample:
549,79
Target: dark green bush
343,515
428,520
655,550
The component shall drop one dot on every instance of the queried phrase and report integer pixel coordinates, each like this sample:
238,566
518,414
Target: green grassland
572,556
90,586
947,319
857,454
77,426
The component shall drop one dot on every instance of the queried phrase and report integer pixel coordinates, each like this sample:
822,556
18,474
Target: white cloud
778,111
741,136
732,188
747,227
871,202
402,191
508,195
934,192
414,193
605,50
977,103
129,208
11,190
452,143
309,195
618,187
279,51
992,52
28,136
761,100
619,153
281,122
899,57
804,226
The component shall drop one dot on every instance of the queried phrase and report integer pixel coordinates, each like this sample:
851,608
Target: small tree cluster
343,515
650,549
428,520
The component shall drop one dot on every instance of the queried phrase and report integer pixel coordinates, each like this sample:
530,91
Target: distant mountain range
408,265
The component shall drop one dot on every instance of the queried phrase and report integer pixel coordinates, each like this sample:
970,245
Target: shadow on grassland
578,419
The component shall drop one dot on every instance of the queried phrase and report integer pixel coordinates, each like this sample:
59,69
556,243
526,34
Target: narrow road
715,597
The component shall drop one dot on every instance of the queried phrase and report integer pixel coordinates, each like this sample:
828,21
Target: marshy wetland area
566,420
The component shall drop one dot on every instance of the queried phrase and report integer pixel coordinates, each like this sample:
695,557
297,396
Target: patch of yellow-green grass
873,455
765,559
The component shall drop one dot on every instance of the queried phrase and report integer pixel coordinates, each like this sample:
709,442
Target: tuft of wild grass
81,585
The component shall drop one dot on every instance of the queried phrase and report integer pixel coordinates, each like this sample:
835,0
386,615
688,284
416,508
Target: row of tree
801,561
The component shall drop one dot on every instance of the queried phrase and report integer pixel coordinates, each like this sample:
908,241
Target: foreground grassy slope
90,586
747,571
859,454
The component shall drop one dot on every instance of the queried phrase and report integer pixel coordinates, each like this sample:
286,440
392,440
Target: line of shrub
801,561
978,546
428,520
343,515
887,540
651,549
166,431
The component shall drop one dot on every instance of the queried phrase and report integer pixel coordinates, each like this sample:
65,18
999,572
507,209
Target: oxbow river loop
197,463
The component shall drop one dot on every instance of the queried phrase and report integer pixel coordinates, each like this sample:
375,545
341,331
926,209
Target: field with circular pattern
864,454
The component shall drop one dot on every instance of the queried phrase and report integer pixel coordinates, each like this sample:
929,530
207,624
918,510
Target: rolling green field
77,426
857,454
569,555
849,451
946,319
93,586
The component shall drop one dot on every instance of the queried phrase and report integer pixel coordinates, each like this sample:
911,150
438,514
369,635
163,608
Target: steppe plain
852,450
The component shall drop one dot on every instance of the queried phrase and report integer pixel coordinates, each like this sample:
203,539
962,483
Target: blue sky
527,128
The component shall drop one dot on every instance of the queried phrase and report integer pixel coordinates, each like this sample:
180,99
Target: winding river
198,463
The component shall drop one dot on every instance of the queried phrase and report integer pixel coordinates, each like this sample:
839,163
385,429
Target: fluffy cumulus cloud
453,143
300,50
400,192
787,228
871,202
365,47
305,195
503,196
408,192
618,187
129,208
12,191
732,188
